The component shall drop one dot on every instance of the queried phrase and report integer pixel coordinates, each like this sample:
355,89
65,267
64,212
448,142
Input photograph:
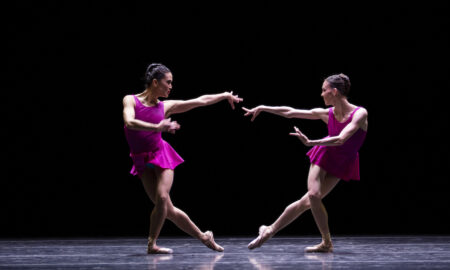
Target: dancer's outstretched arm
180,106
288,112
358,121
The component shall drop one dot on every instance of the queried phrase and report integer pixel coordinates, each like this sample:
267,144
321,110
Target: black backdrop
65,159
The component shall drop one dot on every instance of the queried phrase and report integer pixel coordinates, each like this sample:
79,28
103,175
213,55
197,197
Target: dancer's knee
305,202
162,200
314,196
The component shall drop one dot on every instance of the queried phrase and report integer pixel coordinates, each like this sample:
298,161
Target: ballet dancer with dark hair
145,118
332,158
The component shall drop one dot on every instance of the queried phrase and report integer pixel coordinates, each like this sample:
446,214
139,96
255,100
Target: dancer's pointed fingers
232,104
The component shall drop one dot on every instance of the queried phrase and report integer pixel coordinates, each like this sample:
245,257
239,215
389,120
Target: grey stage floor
375,252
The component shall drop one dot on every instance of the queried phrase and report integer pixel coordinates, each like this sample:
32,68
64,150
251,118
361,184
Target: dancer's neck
343,108
150,97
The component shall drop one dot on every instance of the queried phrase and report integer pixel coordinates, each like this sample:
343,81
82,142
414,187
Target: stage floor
351,252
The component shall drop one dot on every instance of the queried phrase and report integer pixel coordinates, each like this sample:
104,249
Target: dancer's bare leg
157,184
160,185
292,212
316,179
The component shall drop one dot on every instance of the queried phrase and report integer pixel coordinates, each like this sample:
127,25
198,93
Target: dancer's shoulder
129,100
361,111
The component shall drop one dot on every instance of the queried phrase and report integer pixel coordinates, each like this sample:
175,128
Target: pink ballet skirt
164,157
341,161
148,146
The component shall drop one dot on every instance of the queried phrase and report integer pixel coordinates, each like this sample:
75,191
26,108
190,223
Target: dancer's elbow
339,141
130,124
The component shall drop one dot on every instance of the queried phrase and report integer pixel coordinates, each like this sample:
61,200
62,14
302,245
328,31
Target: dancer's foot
208,240
152,248
158,250
265,233
324,247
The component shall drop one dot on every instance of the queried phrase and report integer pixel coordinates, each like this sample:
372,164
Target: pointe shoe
154,249
209,242
322,247
265,233
159,250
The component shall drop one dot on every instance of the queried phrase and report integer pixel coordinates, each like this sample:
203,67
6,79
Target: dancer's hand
302,137
253,112
233,98
168,126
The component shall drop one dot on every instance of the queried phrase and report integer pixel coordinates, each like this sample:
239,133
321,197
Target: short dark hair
341,82
155,71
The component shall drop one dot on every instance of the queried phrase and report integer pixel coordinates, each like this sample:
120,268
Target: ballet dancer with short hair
332,158
145,118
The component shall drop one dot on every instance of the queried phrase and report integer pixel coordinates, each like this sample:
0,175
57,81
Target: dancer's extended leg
292,212
157,183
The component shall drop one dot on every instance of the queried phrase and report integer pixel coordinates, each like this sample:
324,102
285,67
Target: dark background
67,67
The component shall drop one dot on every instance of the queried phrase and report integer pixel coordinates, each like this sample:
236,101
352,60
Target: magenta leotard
341,161
148,146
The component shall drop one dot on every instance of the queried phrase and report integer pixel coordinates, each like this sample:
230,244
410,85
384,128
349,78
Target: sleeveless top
341,161
148,146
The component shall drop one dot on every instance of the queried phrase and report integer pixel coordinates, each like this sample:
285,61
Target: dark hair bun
341,82
155,71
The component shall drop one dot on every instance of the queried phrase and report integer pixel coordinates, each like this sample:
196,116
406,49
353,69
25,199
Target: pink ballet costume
341,161
147,147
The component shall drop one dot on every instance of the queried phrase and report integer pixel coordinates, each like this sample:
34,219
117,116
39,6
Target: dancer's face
164,86
328,93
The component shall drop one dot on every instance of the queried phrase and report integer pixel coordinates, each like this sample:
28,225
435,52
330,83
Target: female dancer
146,117
332,158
